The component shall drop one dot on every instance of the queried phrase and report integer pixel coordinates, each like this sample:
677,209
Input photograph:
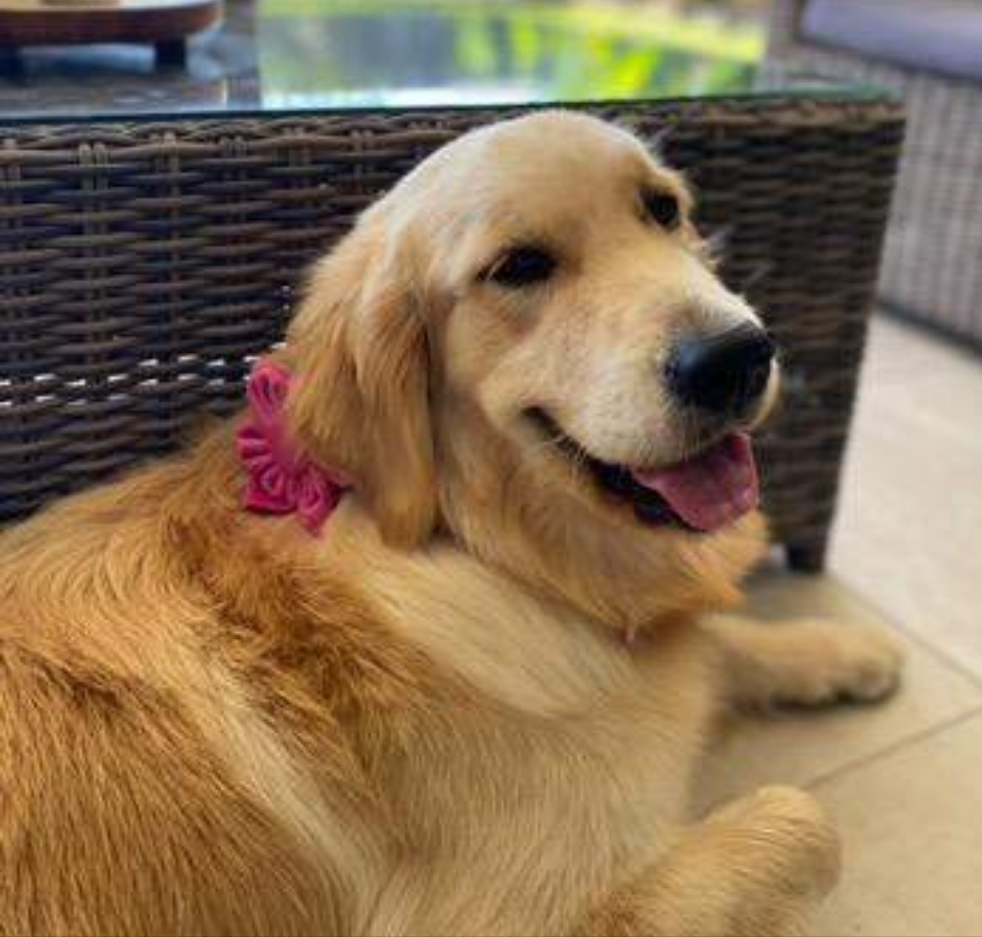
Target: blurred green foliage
566,51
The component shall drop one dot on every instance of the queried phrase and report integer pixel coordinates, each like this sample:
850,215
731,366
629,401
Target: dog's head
526,340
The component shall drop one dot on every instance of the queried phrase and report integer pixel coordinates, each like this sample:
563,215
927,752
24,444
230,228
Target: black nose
723,373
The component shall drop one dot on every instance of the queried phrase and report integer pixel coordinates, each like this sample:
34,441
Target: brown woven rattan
143,263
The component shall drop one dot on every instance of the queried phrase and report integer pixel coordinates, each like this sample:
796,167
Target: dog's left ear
359,350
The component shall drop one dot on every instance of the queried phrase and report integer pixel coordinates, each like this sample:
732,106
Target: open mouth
705,493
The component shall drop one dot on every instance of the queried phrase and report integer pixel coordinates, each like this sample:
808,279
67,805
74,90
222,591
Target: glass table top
296,55
426,52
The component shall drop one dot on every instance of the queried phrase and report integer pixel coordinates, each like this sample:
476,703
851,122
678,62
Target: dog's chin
709,492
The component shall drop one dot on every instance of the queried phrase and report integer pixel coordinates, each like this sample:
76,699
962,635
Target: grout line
895,747
940,655
900,623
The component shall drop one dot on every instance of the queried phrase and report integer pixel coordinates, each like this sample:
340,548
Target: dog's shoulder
161,704
511,645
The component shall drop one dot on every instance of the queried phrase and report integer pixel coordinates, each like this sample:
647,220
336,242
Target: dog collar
281,479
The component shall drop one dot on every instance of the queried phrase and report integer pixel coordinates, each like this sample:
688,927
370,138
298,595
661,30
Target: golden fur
427,720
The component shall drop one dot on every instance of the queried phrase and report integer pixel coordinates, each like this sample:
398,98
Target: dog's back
137,797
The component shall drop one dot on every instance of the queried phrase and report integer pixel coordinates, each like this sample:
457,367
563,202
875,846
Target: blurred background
906,547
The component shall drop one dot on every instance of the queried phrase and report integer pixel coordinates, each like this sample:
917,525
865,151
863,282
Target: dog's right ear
358,349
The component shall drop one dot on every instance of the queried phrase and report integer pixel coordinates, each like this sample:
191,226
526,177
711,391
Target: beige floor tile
912,824
905,779
909,534
912,370
800,748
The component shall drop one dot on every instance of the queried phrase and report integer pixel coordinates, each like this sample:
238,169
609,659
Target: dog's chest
577,750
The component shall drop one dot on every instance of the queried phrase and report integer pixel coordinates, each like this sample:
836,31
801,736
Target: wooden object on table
166,24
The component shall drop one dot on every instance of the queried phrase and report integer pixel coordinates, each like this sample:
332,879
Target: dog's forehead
558,133
536,151
555,177
544,165
557,147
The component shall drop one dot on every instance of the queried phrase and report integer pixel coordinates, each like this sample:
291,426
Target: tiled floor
904,780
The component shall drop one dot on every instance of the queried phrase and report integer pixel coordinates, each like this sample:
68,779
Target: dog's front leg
805,663
757,866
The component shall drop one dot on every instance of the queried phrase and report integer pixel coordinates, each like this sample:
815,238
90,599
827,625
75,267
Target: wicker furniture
142,263
932,267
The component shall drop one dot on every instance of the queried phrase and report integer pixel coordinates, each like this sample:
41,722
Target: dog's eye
663,208
522,266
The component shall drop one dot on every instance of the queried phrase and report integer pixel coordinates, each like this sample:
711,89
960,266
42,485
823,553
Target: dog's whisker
553,442
714,247
755,276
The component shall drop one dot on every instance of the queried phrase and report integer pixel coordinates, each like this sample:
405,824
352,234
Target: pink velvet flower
282,479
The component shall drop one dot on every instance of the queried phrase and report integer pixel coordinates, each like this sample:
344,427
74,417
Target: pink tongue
711,490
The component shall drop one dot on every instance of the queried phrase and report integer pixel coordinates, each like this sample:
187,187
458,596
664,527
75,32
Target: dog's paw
787,830
843,662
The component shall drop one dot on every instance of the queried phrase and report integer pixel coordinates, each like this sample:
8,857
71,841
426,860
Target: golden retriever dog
470,702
